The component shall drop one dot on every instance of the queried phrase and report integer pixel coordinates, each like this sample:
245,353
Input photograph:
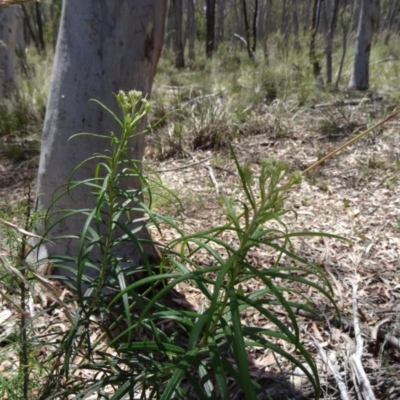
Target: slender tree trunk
177,9
329,41
267,29
169,30
55,12
247,29
255,17
191,23
313,53
295,25
39,23
390,18
221,22
285,27
210,22
360,76
8,37
356,14
103,46
345,30
29,29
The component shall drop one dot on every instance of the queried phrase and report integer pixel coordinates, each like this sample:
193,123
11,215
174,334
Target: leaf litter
356,195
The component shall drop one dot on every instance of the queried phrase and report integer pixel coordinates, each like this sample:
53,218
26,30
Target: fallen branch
334,370
184,166
350,142
213,180
355,358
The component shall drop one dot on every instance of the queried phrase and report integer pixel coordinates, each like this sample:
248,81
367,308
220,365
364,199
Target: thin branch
184,166
355,358
334,370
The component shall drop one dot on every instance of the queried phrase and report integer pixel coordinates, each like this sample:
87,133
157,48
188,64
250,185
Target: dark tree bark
169,26
177,11
39,24
267,29
295,19
360,76
285,27
329,41
8,37
250,31
221,21
345,30
255,18
210,23
191,29
313,53
390,18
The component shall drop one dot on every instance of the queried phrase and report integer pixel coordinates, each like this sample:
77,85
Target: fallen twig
159,171
334,370
213,180
350,142
355,358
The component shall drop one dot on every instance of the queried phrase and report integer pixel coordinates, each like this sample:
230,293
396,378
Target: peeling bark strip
103,46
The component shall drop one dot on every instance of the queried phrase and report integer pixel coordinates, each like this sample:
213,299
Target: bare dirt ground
355,195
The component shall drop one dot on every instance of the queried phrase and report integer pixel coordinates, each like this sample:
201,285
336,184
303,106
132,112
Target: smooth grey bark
356,15
8,39
103,47
360,74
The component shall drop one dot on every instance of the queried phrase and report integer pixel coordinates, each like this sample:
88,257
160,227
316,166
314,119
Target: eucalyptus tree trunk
267,29
356,15
8,38
220,22
177,10
103,46
210,25
313,52
191,28
360,75
295,25
390,19
329,41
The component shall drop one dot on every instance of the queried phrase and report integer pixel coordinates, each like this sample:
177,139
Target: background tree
103,47
210,23
8,38
177,15
251,30
360,73
329,41
313,52
191,28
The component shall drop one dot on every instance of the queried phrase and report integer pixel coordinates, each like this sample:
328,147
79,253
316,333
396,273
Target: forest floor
356,195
